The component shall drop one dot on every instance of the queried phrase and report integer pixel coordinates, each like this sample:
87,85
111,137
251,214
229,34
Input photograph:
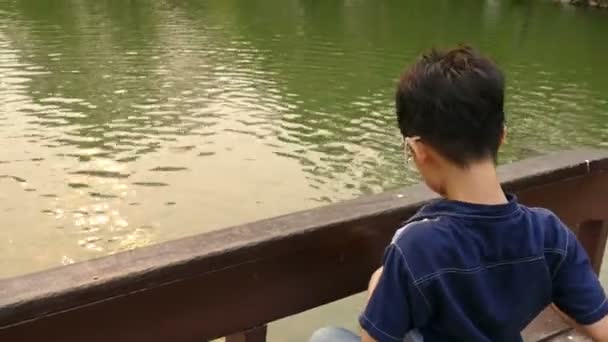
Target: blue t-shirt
467,272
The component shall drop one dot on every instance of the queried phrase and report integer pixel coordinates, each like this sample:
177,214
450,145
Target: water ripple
149,122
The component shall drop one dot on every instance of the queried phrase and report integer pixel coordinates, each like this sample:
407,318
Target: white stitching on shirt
428,305
596,309
447,270
555,250
380,330
563,258
475,269
519,261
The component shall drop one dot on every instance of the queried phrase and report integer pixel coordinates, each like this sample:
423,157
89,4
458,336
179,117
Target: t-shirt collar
458,208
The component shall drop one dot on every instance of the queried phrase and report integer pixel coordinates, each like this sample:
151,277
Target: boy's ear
421,152
503,135
426,154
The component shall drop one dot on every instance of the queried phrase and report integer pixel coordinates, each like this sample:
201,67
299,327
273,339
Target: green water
125,123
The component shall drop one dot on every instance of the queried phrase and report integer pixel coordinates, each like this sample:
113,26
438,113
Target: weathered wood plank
547,325
569,336
257,334
592,234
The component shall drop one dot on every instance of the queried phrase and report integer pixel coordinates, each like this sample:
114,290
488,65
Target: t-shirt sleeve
391,311
576,288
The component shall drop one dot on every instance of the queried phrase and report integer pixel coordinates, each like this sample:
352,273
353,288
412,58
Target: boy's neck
477,184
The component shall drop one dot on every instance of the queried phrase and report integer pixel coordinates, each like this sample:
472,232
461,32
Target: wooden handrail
236,279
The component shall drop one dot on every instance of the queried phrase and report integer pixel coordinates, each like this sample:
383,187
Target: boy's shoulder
554,231
541,213
419,230
446,240
428,227
424,236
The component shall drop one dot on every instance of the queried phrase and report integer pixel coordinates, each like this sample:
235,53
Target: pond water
126,123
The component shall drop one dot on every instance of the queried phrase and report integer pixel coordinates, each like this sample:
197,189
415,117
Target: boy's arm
395,306
373,282
597,331
365,337
578,294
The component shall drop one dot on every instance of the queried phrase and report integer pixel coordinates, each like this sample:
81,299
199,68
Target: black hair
454,101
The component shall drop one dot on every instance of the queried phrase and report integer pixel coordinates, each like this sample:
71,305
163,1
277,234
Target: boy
476,265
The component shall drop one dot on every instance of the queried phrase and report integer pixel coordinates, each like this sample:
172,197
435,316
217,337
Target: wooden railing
232,282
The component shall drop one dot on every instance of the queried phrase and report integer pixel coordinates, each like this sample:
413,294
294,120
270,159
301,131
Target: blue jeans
331,334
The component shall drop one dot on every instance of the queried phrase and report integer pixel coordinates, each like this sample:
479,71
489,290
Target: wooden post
592,234
257,334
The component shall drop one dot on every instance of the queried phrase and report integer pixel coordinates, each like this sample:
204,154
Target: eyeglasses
407,147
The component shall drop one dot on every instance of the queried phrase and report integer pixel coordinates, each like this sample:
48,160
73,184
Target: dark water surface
125,123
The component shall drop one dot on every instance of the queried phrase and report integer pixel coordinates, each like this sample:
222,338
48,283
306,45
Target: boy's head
450,110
